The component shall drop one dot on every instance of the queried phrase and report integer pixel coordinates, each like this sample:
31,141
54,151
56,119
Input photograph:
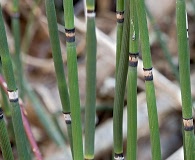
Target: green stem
150,91
166,52
132,85
4,139
120,20
120,87
184,70
90,81
73,80
58,63
9,75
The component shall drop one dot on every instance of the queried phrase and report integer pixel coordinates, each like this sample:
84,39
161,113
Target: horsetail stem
162,42
58,63
120,20
120,87
90,81
16,35
150,91
184,71
73,80
13,94
4,139
132,84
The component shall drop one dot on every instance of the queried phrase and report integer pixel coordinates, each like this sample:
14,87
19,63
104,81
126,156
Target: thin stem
120,87
21,143
163,44
73,80
4,139
132,85
184,71
150,91
16,35
58,63
120,20
90,81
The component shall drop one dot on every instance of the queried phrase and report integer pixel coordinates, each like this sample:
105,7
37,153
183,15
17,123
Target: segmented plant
20,136
58,63
184,72
120,87
73,80
148,76
132,84
90,81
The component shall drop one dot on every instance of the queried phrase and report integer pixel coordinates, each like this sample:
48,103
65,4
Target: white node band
13,96
91,15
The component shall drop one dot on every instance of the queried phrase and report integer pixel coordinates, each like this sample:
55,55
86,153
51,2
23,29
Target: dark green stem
150,91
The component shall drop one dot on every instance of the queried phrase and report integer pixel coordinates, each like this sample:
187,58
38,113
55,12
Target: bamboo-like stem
120,87
16,35
90,81
4,140
58,63
132,84
120,20
21,143
184,71
150,91
73,80
166,52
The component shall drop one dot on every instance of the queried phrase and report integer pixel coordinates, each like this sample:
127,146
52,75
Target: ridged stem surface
132,84
90,103
120,86
149,85
20,136
73,80
184,71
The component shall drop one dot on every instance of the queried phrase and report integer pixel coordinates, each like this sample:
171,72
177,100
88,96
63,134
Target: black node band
148,76
90,11
120,16
1,113
118,156
133,59
14,100
70,35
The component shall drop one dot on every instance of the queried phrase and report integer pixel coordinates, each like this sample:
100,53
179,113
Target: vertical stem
166,52
21,143
4,139
184,71
132,85
150,91
73,80
120,21
120,88
58,64
90,81
16,35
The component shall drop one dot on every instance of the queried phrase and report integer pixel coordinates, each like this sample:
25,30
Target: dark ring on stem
67,117
90,13
70,35
1,113
188,124
13,95
120,16
148,76
89,159
15,15
119,156
133,59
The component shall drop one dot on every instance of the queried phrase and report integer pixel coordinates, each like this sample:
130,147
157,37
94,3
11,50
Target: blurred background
39,70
